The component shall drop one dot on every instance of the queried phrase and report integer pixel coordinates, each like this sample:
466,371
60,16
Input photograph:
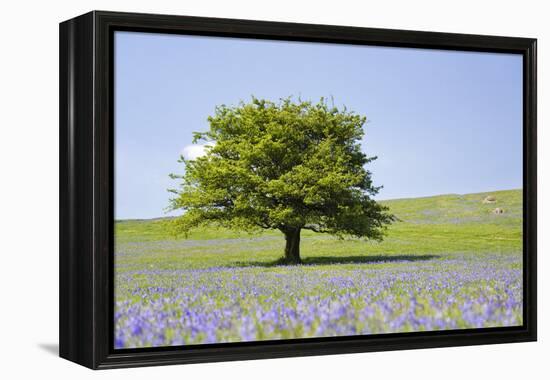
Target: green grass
448,263
432,226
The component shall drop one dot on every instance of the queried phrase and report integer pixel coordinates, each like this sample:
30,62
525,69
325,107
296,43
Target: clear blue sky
440,121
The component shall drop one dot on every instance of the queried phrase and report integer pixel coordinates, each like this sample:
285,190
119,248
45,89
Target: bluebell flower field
449,262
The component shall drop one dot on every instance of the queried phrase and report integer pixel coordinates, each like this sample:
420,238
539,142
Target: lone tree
287,166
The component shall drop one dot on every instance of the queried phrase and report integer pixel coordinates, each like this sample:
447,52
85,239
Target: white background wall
29,187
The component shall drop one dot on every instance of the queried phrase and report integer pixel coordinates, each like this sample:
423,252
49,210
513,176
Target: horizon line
379,200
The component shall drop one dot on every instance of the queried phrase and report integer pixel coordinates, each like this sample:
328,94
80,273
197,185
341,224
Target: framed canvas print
235,189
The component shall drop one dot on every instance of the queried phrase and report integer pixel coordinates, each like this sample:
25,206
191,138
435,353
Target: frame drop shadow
51,348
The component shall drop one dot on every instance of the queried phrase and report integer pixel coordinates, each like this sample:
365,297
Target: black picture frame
86,189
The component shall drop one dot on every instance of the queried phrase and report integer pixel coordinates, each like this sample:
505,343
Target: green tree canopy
281,165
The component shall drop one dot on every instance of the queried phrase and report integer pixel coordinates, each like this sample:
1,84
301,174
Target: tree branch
315,228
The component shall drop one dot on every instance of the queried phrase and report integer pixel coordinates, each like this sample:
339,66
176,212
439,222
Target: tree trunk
292,248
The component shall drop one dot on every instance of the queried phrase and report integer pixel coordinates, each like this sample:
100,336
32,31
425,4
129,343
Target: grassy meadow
449,262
